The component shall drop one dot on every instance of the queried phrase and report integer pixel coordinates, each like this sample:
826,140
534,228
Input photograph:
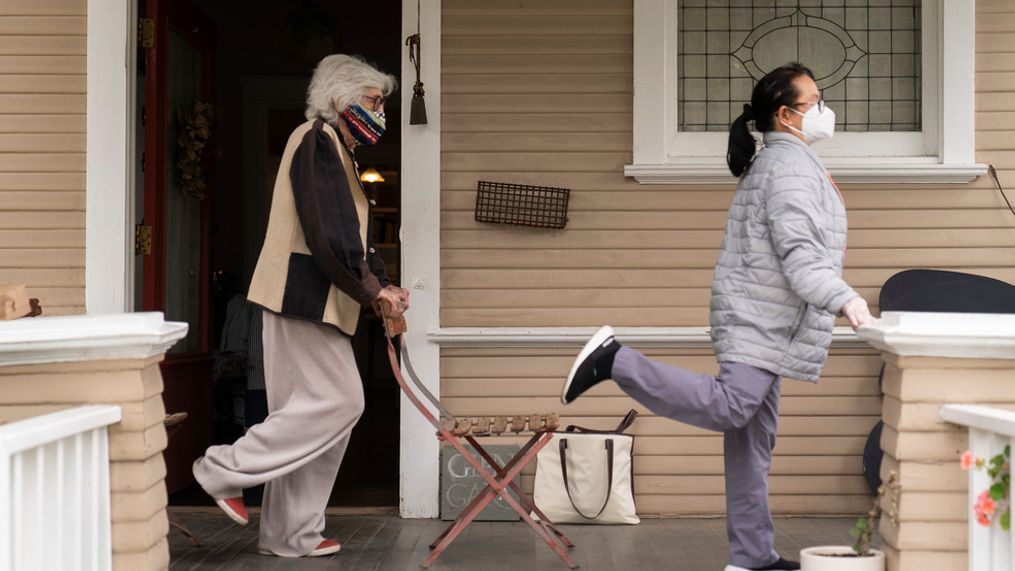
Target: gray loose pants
743,403
315,397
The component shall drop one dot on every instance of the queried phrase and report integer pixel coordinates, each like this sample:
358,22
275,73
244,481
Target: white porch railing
990,430
54,490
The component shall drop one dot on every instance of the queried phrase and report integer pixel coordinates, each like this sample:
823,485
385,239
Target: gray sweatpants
315,397
743,403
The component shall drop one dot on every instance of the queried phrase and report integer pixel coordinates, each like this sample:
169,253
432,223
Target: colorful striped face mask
366,126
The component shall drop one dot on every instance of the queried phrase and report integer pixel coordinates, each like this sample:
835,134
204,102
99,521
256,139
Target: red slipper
235,509
326,547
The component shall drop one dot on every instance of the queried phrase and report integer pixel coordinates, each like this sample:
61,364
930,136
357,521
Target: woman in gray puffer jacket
775,293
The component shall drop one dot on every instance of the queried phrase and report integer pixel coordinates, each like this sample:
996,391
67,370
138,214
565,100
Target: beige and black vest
317,261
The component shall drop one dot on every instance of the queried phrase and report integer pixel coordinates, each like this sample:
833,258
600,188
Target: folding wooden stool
459,431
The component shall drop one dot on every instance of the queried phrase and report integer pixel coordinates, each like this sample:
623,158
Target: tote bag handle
625,423
609,475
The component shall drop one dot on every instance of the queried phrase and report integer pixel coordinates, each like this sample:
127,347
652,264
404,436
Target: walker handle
393,326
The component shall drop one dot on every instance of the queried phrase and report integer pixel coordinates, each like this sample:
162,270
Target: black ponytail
740,150
774,90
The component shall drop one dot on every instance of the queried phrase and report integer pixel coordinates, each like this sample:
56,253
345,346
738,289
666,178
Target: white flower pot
830,558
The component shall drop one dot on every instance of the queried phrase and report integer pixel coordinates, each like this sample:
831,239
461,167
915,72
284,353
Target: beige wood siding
540,92
679,468
42,150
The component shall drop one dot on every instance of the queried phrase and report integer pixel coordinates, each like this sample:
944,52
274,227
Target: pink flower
966,460
982,519
984,504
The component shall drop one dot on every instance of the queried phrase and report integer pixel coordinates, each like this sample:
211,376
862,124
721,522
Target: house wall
541,92
42,150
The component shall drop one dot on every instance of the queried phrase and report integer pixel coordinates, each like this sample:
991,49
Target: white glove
857,312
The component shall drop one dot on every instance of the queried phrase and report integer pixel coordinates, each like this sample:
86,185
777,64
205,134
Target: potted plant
859,556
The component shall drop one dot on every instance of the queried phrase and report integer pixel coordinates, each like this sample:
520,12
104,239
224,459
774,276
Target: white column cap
956,335
87,338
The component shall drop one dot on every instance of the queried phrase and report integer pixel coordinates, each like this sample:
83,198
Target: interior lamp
371,175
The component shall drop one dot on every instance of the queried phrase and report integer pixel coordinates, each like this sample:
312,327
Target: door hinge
142,240
146,32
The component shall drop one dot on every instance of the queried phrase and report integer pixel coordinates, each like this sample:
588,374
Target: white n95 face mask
818,123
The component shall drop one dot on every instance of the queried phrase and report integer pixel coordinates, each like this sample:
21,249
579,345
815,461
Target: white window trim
662,155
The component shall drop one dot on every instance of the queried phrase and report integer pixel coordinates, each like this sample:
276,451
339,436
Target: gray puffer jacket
778,280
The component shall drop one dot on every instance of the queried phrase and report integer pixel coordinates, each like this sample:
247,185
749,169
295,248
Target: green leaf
1005,520
859,528
1007,451
861,531
997,492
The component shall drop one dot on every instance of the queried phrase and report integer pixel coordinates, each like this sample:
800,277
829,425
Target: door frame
110,141
419,457
111,109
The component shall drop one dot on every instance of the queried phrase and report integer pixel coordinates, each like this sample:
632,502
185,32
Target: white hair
340,81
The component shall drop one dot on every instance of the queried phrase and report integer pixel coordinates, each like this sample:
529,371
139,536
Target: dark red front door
179,78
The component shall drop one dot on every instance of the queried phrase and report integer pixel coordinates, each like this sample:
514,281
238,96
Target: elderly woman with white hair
317,268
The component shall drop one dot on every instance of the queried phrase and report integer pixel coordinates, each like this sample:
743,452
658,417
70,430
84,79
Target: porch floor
386,542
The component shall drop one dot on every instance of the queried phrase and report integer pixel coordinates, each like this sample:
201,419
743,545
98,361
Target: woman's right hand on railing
857,312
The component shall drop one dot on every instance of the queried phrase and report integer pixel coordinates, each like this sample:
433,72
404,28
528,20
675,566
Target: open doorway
199,242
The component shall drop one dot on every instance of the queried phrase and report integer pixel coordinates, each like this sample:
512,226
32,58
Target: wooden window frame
944,152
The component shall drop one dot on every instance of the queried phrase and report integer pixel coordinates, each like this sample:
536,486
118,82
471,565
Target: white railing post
990,430
5,505
36,486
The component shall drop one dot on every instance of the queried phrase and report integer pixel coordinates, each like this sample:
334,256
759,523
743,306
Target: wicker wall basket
522,204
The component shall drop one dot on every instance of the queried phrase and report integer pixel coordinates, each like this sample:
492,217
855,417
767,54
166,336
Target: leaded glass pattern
865,55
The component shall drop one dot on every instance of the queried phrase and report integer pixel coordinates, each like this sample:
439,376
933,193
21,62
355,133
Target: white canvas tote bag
584,476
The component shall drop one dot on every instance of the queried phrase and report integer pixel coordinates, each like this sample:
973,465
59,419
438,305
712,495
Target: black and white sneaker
780,565
593,365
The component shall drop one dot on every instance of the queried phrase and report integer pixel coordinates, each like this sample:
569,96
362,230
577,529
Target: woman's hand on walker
395,300
402,293
857,312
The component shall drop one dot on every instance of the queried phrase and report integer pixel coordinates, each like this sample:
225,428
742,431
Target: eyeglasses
820,104
376,102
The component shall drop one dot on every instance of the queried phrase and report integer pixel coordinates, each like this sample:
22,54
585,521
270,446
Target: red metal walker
454,430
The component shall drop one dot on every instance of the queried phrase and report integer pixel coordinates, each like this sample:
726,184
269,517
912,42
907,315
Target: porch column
932,359
53,363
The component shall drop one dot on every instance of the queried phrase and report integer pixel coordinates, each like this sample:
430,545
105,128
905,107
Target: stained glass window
865,55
